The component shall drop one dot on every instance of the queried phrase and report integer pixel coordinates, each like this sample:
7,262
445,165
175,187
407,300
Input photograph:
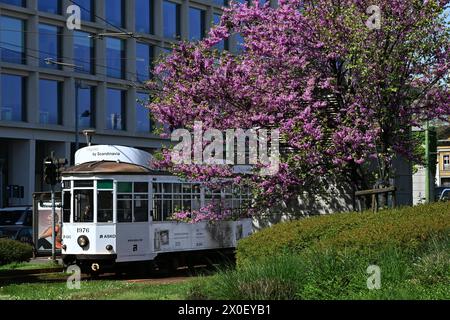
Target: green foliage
405,228
14,251
327,258
336,274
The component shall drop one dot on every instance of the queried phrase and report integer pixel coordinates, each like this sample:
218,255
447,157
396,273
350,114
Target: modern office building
53,78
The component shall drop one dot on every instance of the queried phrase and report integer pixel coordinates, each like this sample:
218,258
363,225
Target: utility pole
428,164
77,92
52,176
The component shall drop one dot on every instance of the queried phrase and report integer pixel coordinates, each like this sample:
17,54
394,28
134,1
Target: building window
49,46
196,24
143,121
171,16
12,95
144,59
50,6
222,45
50,93
86,107
144,16
12,40
240,43
221,3
115,58
446,162
115,12
84,52
19,3
87,9
115,110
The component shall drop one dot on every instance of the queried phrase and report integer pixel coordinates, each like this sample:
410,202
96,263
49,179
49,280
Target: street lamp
79,85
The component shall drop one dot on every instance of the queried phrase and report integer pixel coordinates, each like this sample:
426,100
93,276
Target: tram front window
66,207
84,205
105,206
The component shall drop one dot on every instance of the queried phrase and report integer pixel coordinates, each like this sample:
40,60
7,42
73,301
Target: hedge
14,251
405,228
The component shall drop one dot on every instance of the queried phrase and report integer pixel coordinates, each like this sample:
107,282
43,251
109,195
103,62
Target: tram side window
170,198
140,208
84,206
105,206
124,208
66,207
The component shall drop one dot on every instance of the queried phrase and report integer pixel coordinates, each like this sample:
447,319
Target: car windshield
10,218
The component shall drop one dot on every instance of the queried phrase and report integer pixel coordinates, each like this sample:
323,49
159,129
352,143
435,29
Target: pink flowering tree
342,88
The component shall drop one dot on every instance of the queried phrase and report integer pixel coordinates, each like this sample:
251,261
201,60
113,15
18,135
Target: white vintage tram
116,212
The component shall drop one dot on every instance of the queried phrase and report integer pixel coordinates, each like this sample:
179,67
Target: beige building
443,165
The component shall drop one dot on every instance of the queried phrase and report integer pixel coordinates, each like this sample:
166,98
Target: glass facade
49,46
222,45
87,9
12,93
50,94
115,57
144,58
196,24
86,107
240,43
83,52
115,110
115,12
144,14
50,6
102,61
171,18
12,40
143,121
20,3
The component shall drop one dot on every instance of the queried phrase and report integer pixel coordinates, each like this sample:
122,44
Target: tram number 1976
82,230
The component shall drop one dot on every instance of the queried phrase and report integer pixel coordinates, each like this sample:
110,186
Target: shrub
335,274
405,228
13,251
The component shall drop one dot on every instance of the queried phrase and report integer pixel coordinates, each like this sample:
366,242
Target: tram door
133,221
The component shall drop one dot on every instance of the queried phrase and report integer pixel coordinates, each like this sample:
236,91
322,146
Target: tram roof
110,167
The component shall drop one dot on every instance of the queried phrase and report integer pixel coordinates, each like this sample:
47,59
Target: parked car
443,194
17,224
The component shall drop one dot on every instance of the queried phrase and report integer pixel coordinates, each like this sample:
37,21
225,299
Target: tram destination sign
114,154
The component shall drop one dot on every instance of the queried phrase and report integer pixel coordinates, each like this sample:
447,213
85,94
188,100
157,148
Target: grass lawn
96,290
27,266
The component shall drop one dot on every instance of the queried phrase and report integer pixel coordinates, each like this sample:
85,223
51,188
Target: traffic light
53,169
60,166
50,171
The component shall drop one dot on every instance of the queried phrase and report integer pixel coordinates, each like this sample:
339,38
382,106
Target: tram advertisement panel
43,226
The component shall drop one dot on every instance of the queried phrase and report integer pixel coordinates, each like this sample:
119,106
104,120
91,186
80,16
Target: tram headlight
109,247
83,241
